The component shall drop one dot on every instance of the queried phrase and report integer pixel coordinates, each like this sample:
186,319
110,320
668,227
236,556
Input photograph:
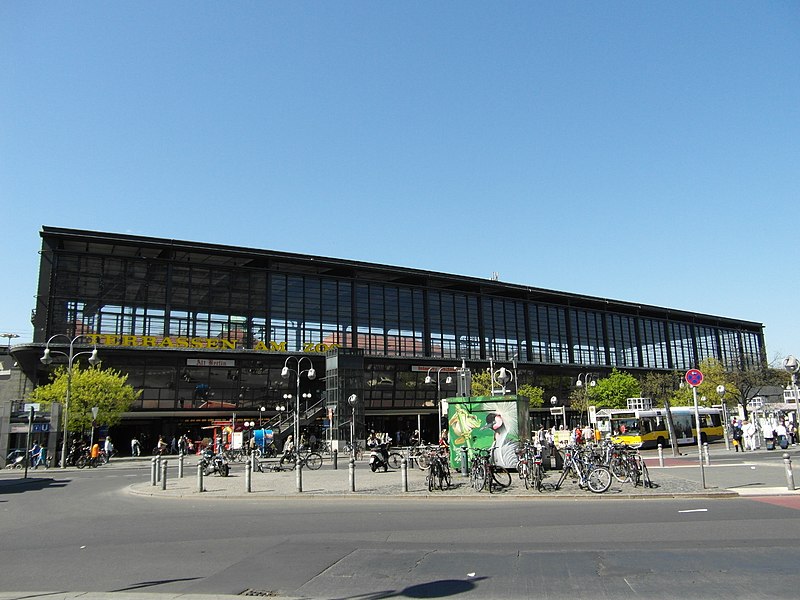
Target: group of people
776,432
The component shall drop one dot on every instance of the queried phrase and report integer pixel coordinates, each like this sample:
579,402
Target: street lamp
585,381
501,377
352,400
792,366
261,417
721,393
553,402
298,371
95,411
10,337
429,380
47,358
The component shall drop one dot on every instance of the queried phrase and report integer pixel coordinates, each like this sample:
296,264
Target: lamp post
280,408
792,366
727,424
10,337
429,380
298,371
95,410
352,400
500,377
585,381
47,358
261,417
553,402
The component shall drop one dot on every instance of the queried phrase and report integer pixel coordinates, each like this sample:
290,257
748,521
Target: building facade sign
199,343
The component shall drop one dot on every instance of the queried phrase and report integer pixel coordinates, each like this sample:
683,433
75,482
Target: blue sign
694,377
41,427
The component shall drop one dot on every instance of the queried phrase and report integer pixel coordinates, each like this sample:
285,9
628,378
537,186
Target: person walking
750,433
108,447
288,450
136,448
737,435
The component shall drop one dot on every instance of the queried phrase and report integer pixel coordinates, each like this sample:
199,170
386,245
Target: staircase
283,423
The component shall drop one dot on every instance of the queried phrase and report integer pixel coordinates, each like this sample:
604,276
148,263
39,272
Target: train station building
208,332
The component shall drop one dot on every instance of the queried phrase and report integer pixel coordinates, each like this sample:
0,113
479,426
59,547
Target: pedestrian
36,455
737,435
108,447
750,435
781,436
288,450
136,448
769,435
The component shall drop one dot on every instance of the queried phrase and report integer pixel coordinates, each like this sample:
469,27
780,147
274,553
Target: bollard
164,475
335,455
464,462
705,454
248,477
254,463
158,468
787,462
200,478
153,467
352,468
180,467
298,468
660,455
404,474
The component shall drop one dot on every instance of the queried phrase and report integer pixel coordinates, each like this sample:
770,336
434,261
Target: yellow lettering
277,347
148,340
260,346
111,340
228,345
93,337
199,342
212,343
182,342
129,340
166,343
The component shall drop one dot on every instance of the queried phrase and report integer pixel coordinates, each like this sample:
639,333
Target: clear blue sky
641,151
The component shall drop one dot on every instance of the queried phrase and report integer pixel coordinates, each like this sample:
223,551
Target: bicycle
530,468
595,478
309,460
354,449
485,474
438,470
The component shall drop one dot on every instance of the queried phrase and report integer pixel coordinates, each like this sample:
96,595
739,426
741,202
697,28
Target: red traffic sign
694,377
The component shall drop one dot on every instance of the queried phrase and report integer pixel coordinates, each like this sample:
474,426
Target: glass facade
246,300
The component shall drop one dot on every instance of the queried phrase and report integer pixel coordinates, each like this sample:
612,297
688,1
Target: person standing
737,435
136,449
750,435
108,447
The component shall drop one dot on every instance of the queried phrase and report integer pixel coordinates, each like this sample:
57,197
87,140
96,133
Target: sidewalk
728,475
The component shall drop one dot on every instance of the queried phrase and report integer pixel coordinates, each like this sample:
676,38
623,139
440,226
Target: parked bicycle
530,468
309,460
484,474
438,469
590,475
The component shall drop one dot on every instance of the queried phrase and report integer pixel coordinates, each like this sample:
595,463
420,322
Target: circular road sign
694,377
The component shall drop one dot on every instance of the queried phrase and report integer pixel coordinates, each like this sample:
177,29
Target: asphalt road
83,531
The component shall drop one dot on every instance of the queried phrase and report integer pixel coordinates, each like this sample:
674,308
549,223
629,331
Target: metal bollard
335,458
153,476
706,456
253,463
464,461
158,468
352,468
200,478
404,474
298,469
248,477
180,467
787,462
660,455
164,475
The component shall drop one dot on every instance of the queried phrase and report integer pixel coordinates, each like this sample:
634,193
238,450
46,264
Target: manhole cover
259,593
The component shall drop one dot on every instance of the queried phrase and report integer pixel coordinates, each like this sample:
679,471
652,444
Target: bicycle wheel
313,461
618,469
478,476
81,462
501,477
422,460
598,480
395,460
538,476
431,478
444,478
522,469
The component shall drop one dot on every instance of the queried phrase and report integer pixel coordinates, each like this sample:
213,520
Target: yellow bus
649,428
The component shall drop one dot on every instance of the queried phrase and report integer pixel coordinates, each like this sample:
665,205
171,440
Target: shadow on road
19,486
440,588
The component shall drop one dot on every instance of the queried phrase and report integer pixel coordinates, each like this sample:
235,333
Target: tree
534,393
660,386
750,382
106,389
481,383
613,391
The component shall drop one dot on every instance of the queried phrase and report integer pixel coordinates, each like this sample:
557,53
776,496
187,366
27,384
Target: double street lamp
429,380
47,358
298,371
585,381
792,366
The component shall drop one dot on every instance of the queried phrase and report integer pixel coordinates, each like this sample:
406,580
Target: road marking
694,510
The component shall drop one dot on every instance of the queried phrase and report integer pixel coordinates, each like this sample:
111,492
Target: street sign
694,377
556,410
